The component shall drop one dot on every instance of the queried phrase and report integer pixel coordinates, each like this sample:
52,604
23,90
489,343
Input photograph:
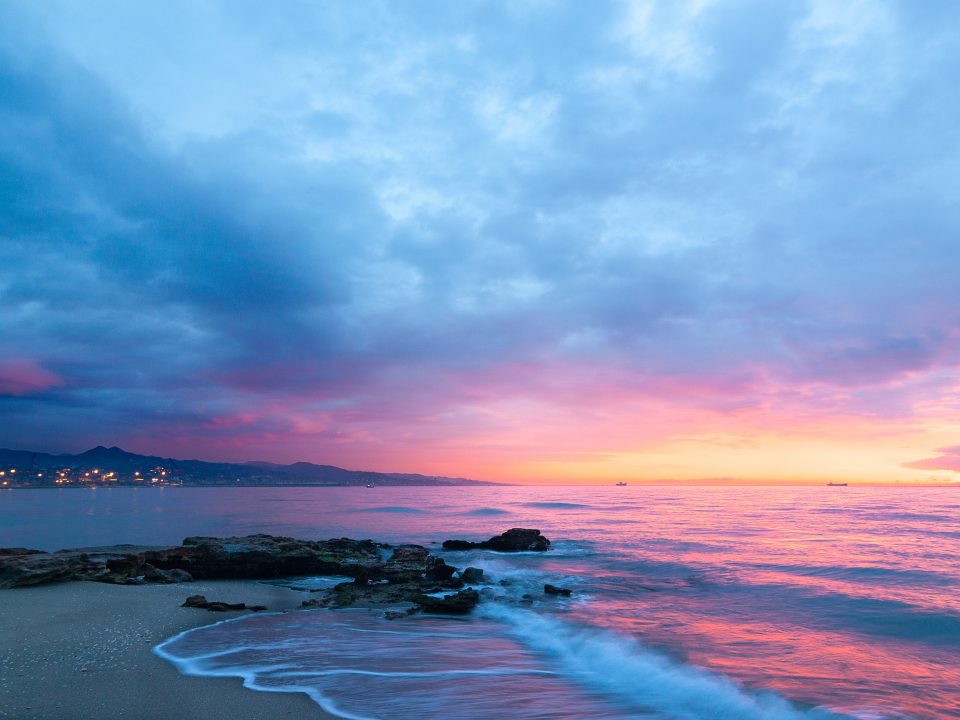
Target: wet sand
83,650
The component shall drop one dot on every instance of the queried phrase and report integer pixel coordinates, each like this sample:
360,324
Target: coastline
85,650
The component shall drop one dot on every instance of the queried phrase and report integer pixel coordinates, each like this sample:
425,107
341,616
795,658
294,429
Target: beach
85,650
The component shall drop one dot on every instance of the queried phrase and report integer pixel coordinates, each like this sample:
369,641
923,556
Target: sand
83,650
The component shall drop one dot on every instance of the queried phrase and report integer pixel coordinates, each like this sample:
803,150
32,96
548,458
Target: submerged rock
513,540
554,590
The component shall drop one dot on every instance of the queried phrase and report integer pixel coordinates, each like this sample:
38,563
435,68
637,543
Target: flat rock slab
201,558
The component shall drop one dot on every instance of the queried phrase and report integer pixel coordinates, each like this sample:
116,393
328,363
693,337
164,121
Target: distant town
74,476
114,467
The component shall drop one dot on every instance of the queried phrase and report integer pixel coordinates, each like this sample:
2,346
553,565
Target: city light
74,476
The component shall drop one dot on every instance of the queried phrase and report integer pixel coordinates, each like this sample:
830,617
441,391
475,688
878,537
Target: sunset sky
521,241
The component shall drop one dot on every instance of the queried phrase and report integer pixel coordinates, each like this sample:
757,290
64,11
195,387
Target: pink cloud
230,421
22,376
948,460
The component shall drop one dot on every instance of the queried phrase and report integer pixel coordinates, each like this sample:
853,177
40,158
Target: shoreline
81,649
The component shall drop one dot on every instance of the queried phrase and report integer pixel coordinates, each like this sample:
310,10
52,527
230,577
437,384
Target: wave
622,667
394,509
427,672
486,511
557,505
308,584
869,574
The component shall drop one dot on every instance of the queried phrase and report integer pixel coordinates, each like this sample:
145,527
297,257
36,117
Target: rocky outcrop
513,540
267,556
402,578
201,558
554,590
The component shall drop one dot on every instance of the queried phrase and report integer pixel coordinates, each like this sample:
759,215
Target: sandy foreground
83,650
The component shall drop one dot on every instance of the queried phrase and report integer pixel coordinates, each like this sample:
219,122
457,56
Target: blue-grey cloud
208,208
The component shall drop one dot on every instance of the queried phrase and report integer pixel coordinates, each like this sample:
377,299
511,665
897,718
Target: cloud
21,376
949,459
286,232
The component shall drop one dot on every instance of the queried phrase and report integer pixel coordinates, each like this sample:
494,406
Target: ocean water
697,603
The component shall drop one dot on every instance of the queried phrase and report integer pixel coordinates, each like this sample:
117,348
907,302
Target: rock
179,576
19,551
456,604
156,575
407,563
472,575
18,569
519,540
437,569
224,607
252,556
267,556
340,595
459,545
409,554
369,574
513,540
200,602
410,572
554,590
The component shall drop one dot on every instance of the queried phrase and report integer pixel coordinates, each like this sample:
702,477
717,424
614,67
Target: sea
688,603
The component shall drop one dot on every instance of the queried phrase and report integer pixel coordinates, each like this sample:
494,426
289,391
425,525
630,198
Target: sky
532,241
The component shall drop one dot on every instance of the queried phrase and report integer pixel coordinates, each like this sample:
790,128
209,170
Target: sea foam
624,668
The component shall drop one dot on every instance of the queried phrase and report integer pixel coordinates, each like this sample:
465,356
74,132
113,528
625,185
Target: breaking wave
623,668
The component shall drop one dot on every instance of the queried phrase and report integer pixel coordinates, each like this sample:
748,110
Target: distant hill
39,468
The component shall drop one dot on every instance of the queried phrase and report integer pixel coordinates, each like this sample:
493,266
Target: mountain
37,468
